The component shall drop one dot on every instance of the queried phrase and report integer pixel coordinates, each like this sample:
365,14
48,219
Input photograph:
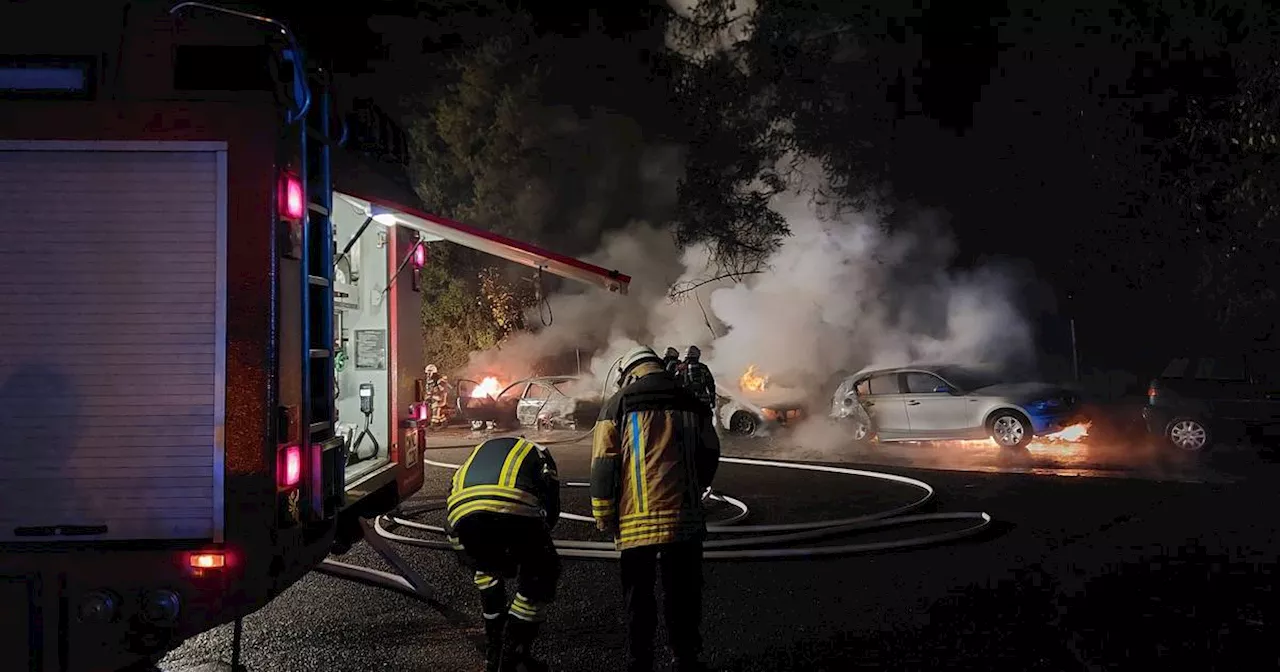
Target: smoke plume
842,293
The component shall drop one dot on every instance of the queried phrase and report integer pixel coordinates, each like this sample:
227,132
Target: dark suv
1198,398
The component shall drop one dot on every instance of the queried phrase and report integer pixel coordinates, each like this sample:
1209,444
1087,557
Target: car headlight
1045,404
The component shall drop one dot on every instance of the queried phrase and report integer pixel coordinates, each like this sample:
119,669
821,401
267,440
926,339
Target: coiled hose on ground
746,540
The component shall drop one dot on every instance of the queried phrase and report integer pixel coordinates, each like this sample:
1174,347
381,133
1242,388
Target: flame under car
946,402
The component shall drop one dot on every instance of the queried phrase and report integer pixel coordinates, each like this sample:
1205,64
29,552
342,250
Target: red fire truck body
168,455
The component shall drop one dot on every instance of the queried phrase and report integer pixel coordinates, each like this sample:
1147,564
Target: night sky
982,126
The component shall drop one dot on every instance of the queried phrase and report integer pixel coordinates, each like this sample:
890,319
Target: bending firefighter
504,501
654,455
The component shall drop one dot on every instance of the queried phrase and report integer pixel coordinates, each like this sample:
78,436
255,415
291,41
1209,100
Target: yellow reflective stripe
460,476
511,470
655,515
522,608
484,580
492,506
492,491
506,464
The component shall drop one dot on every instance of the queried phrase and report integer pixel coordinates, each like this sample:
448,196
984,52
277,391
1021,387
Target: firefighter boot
517,647
493,643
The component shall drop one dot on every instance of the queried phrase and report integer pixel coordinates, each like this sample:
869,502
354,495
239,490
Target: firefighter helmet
635,357
431,370
693,354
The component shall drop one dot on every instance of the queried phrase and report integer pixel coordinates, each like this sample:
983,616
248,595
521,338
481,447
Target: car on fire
743,416
546,402
947,402
572,402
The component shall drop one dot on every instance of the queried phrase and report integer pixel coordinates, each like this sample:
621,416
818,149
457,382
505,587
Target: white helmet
431,370
636,356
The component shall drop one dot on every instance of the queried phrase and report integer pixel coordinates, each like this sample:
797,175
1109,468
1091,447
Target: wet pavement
1123,565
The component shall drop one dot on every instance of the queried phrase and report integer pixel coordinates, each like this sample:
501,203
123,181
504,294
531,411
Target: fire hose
748,538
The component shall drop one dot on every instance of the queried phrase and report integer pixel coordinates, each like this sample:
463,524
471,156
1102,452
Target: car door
931,406
886,405
535,397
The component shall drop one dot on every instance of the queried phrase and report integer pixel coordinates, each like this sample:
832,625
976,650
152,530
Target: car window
1220,368
1176,369
514,391
864,387
885,384
538,391
923,383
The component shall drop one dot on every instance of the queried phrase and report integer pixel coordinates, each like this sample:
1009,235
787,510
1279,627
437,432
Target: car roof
927,368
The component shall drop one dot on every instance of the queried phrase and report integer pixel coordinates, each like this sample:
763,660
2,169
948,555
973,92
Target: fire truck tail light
422,411
289,472
419,255
212,560
292,202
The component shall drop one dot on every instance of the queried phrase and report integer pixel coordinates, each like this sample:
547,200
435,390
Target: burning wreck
545,402
756,407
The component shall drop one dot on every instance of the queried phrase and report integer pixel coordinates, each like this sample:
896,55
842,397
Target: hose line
744,541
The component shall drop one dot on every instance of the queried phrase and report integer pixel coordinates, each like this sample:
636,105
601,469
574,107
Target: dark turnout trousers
681,565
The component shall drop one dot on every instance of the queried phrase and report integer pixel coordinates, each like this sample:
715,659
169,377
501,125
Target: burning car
942,403
755,408
546,402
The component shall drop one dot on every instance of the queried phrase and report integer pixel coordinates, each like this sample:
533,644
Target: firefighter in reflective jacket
697,377
504,501
655,453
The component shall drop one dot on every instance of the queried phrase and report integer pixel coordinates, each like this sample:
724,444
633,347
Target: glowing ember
751,381
489,387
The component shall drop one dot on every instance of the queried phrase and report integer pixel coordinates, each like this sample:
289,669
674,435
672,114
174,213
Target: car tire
1187,434
1010,430
743,423
860,426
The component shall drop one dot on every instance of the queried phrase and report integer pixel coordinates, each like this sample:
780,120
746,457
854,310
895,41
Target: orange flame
1073,434
489,387
751,381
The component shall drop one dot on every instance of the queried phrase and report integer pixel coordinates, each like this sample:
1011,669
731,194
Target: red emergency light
419,255
292,203
289,472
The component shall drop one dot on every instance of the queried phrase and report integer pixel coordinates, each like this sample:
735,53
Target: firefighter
671,360
654,454
697,377
504,501
438,396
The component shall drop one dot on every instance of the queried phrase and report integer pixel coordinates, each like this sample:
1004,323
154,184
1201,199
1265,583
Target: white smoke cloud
843,292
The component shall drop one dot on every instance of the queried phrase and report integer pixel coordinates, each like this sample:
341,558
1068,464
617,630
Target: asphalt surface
1100,559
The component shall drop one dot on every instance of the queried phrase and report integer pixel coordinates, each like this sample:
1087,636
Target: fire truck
169,450
210,377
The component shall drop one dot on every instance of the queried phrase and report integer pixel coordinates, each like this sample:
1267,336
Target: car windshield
968,379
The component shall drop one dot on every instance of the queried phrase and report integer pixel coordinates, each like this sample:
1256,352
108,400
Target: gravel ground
1081,572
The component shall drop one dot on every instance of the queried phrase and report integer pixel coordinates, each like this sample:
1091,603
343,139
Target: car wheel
1010,430
743,422
1187,434
860,423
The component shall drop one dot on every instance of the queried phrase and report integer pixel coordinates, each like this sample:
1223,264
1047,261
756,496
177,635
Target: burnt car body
546,402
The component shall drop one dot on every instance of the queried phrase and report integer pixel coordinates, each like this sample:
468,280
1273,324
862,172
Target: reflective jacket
655,452
506,475
697,377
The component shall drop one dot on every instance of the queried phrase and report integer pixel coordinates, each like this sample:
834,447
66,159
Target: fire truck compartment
112,291
361,329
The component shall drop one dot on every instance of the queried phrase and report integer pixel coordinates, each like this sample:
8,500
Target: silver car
942,403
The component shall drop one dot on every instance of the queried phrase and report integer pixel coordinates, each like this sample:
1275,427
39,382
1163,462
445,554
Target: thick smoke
843,292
